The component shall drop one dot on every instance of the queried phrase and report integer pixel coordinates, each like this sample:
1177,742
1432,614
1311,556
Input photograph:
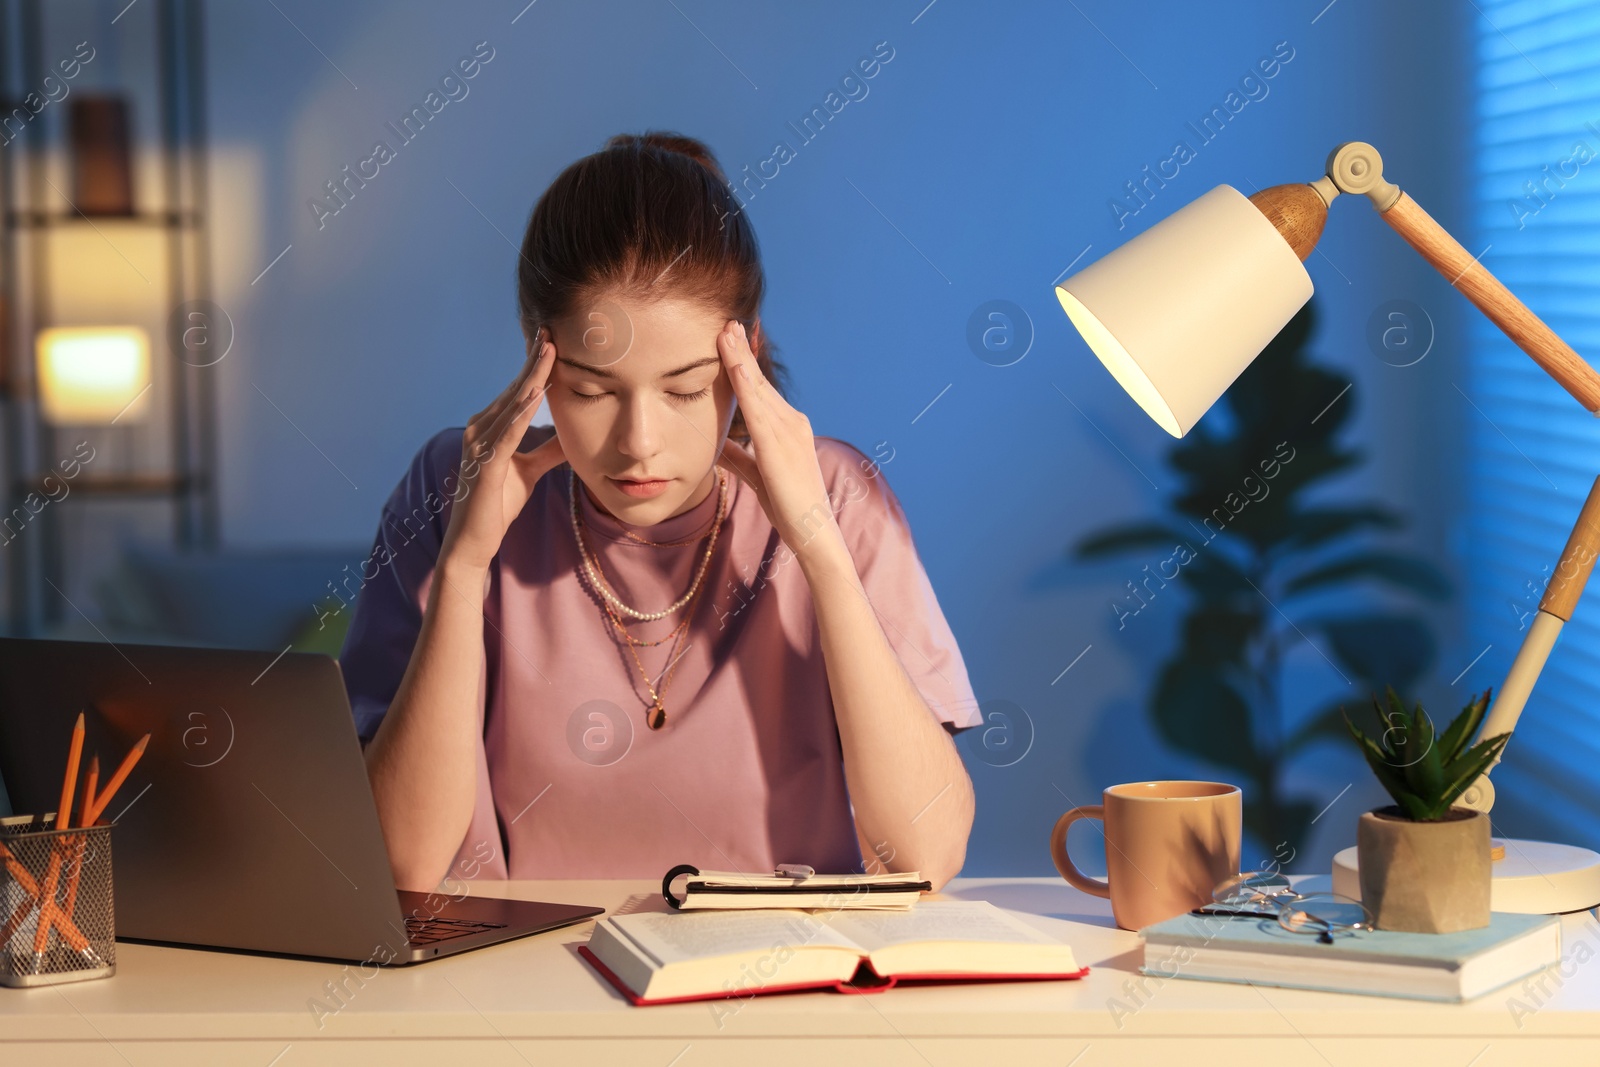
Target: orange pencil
69,785
82,841
117,779
50,914
24,878
91,815
21,874
88,792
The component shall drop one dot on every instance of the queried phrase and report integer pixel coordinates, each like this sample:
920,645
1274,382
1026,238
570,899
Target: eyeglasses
1261,895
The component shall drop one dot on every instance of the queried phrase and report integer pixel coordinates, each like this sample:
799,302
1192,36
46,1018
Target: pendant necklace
655,715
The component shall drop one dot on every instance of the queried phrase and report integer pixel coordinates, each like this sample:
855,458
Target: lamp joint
1356,167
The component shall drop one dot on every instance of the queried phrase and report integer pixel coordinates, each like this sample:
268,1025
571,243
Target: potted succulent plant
1425,867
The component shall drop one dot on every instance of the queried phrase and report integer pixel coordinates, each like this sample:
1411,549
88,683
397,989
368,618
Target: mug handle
1058,851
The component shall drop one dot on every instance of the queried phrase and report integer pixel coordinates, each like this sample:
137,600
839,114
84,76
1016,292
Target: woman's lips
642,489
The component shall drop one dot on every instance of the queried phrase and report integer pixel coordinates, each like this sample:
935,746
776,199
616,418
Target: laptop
249,822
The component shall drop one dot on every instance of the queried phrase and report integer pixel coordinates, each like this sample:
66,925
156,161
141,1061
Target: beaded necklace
655,715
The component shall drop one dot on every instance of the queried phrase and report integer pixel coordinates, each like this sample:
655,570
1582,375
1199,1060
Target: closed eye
680,398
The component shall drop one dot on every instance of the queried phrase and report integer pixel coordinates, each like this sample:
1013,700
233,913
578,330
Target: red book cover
865,980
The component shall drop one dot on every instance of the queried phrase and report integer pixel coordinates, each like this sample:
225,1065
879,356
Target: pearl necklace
590,569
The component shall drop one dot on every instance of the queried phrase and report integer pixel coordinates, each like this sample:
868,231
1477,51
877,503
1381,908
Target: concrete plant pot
1425,877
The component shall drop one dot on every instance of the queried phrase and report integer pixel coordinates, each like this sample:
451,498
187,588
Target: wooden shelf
117,485
36,222
40,220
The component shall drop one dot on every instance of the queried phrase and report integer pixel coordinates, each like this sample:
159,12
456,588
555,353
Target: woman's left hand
781,462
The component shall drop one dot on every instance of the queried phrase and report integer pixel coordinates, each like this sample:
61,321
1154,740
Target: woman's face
639,392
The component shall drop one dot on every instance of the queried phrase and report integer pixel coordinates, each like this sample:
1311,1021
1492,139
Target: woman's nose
637,433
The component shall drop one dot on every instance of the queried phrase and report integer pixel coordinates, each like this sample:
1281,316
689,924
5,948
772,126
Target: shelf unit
35,564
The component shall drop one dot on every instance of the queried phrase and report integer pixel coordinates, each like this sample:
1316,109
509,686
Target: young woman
675,627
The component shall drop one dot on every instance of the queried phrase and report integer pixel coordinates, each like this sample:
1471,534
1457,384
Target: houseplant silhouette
1266,569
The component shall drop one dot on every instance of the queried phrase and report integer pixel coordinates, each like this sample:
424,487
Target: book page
937,920
950,937
678,936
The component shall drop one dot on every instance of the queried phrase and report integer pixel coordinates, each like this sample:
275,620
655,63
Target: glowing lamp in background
93,374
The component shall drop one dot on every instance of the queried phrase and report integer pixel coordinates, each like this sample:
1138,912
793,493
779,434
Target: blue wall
978,167
1537,106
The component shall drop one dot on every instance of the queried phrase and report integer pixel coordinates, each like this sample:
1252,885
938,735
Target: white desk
535,1001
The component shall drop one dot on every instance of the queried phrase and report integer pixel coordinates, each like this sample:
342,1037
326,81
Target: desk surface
535,1000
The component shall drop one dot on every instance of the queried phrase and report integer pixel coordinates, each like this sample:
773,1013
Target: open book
660,957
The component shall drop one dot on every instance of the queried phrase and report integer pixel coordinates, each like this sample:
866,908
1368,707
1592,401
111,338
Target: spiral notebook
791,887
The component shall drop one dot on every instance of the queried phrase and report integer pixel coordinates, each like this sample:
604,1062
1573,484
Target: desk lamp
1178,311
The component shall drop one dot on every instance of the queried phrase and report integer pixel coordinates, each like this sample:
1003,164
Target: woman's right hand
495,480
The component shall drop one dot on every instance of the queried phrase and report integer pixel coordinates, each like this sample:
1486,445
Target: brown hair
646,207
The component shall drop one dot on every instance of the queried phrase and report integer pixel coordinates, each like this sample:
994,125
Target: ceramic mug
1168,844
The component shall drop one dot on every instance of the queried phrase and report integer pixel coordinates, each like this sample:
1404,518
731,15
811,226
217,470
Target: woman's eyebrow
601,372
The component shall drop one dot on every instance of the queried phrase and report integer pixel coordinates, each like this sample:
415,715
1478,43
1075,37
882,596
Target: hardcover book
1448,967
666,957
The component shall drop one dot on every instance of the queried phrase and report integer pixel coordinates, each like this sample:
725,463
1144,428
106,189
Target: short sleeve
394,581
879,538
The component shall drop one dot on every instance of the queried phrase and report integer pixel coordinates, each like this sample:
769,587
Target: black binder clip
666,884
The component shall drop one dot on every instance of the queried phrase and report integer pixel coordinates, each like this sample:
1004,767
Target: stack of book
1447,967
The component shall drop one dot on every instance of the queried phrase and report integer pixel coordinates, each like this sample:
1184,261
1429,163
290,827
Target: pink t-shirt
748,770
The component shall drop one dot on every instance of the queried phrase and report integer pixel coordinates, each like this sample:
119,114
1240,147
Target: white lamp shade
1180,310
93,374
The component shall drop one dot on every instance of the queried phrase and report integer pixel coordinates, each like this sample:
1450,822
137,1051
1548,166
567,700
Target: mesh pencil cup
56,905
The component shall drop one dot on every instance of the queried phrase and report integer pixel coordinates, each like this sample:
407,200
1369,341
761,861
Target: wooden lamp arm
1300,210
1560,599
1577,560
1355,167
1561,594
1491,297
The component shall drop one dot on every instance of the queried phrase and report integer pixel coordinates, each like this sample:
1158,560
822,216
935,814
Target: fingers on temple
517,413
515,388
520,397
747,378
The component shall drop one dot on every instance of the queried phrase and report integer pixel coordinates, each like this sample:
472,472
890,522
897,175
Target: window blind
1532,451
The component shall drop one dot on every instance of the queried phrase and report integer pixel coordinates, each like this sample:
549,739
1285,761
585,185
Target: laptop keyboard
424,931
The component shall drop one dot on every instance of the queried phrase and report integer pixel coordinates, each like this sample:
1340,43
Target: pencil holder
56,906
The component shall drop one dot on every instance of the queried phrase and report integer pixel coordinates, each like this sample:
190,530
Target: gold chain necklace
664,544
598,582
656,714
